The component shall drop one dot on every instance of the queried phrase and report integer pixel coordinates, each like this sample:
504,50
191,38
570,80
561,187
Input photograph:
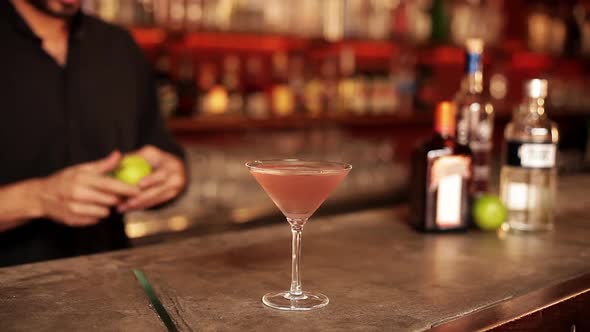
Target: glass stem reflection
295,290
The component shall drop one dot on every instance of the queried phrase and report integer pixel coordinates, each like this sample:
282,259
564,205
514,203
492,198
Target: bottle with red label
441,178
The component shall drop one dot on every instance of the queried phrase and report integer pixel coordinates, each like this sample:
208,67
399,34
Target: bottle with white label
529,169
441,178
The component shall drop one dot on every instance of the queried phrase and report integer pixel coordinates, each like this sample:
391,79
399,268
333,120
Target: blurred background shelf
352,80
402,131
302,121
153,39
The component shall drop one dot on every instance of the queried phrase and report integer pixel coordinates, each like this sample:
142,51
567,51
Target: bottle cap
444,118
536,88
474,45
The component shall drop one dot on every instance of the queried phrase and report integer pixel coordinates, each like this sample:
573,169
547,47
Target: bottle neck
534,106
444,120
473,73
474,82
444,127
444,132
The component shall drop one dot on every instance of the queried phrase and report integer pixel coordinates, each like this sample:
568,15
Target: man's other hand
166,181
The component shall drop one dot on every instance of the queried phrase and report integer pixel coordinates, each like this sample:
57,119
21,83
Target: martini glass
298,188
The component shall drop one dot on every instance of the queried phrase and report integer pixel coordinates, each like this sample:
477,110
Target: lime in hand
132,169
489,213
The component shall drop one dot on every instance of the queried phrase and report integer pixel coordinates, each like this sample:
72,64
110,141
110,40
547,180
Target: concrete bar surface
378,273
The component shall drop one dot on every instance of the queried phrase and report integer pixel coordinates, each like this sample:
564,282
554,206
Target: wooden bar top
378,273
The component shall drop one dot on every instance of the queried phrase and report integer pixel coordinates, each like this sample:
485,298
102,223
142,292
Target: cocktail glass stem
295,291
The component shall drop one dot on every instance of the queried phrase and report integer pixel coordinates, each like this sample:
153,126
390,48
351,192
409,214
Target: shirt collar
21,26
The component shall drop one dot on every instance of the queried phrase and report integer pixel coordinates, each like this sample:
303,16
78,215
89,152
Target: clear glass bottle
475,116
529,168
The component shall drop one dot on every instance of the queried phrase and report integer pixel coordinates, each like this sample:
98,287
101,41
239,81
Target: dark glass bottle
256,101
167,91
232,83
212,96
441,178
440,21
187,88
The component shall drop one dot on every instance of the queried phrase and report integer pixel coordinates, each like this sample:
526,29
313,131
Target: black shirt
52,117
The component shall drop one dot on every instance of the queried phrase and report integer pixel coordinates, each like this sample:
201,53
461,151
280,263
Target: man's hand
166,181
81,195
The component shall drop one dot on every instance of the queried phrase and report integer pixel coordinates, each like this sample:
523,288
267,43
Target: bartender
76,94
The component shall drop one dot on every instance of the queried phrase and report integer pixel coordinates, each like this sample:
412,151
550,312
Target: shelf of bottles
257,63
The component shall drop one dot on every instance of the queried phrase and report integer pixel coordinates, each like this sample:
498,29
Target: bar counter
378,273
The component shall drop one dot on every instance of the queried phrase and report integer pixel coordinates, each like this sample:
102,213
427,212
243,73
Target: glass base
286,301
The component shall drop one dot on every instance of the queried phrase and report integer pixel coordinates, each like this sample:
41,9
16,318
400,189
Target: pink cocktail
298,188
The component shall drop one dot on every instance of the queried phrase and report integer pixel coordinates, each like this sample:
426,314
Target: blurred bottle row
403,20
557,27
281,85
288,83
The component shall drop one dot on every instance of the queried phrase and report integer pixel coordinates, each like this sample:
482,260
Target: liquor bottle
108,10
282,99
347,85
573,40
475,116
126,13
383,98
529,173
212,97
297,80
176,15
90,7
329,79
231,82
167,91
441,178
440,21
186,86
403,74
256,100
194,13
313,92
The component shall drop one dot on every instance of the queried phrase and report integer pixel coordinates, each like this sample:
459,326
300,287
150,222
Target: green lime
489,213
132,169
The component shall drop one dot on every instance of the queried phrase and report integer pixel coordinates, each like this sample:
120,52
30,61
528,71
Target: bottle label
472,62
448,201
521,196
531,155
447,180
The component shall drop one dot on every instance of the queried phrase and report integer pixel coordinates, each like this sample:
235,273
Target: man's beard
43,6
